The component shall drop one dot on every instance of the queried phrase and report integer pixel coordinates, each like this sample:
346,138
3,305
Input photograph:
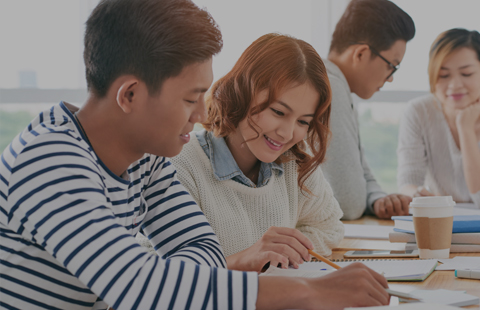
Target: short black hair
150,39
378,23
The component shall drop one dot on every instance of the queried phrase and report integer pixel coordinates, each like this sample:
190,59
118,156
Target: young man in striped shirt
77,185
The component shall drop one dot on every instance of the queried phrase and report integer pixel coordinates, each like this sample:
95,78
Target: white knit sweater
240,215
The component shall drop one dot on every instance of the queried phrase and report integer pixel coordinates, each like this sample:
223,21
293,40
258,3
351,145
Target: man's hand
353,286
279,245
390,205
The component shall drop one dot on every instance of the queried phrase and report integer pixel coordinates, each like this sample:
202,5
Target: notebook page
390,268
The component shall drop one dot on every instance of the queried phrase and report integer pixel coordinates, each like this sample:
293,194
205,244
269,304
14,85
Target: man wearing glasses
367,47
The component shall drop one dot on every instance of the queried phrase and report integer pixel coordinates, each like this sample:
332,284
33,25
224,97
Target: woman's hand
466,118
279,245
422,192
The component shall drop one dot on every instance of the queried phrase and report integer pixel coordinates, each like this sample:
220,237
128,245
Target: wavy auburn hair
273,62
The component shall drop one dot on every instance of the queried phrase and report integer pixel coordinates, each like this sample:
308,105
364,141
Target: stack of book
465,233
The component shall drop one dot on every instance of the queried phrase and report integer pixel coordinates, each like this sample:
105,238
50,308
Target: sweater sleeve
319,217
411,151
70,217
345,167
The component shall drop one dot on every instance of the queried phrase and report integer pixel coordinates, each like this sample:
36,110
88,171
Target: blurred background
41,59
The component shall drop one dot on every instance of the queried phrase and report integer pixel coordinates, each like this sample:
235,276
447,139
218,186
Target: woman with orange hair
251,172
439,140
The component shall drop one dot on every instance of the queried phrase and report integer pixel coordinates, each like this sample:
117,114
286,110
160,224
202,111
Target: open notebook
393,269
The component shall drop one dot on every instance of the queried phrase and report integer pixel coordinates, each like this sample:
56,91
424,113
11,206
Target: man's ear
128,92
361,53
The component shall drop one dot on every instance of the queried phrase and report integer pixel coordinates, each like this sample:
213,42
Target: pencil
323,259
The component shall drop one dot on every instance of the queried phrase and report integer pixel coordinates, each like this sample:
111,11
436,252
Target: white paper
459,262
466,210
392,269
445,297
367,231
411,306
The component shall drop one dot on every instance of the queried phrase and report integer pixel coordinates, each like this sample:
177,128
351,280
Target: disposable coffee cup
433,222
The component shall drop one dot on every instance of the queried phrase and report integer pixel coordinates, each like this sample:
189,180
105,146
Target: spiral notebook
393,269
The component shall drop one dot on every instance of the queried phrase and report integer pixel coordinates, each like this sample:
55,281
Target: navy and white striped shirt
67,227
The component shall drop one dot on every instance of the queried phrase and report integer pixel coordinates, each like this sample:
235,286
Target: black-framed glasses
394,68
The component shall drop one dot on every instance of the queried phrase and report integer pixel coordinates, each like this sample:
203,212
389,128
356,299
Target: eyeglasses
394,68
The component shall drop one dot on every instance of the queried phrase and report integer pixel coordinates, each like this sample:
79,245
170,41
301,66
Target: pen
323,259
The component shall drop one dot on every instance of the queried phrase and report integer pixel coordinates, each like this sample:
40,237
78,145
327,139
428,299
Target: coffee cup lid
434,201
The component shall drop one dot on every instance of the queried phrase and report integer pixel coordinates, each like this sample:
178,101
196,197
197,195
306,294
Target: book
393,269
465,238
454,248
461,224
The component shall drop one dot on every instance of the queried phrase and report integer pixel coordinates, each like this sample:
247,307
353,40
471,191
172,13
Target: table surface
437,280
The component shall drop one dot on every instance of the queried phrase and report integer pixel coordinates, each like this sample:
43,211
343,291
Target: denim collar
224,165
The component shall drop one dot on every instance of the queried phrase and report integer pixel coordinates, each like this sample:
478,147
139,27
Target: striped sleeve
171,208
57,199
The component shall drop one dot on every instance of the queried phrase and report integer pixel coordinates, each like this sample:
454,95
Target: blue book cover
461,224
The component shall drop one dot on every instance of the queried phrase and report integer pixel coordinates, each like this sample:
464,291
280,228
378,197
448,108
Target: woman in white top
251,171
439,140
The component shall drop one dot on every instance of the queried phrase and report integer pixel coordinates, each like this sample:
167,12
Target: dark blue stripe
23,142
177,286
115,189
193,287
56,211
41,117
40,188
45,277
215,251
56,142
165,199
21,240
14,154
230,290
79,230
67,221
189,257
50,169
110,262
165,165
166,177
168,211
98,252
3,180
44,156
29,300
5,163
162,284
43,202
36,259
201,248
163,190
29,127
162,160
207,294
172,223
185,243
125,291
145,285
140,163
2,209
52,116
215,288
65,120
120,273
245,291
178,234
46,292
88,241
7,306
